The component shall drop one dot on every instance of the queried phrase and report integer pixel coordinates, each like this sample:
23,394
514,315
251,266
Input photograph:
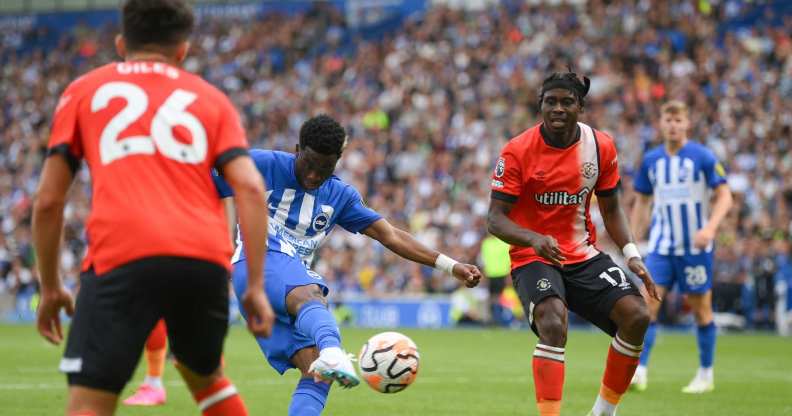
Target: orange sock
548,372
622,361
157,349
220,399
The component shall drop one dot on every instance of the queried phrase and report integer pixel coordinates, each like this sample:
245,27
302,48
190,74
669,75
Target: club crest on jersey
500,168
543,284
588,170
313,274
562,197
683,173
320,222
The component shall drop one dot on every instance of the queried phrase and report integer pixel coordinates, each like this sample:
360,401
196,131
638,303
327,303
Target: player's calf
632,318
220,399
86,401
706,334
308,306
214,393
309,396
548,372
550,318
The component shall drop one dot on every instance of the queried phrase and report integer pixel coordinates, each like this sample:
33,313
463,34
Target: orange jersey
150,134
551,189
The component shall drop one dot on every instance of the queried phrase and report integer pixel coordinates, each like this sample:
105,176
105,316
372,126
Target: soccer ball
389,362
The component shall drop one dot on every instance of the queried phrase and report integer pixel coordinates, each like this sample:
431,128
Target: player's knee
299,296
703,314
637,320
552,330
551,323
196,381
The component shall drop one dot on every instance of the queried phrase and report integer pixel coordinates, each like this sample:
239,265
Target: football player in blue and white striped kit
676,181
306,201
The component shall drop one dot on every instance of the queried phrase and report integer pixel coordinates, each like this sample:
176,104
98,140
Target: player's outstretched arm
56,177
406,246
499,225
720,208
250,198
619,230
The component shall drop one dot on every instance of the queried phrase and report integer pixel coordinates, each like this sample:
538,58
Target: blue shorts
282,274
691,273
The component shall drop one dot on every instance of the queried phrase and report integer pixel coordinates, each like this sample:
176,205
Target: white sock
603,408
641,371
155,382
705,374
332,351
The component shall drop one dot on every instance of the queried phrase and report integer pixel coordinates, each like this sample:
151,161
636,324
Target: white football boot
703,382
334,364
699,386
640,380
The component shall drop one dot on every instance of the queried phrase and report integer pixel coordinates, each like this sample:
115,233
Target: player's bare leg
85,401
701,305
215,394
308,305
550,317
152,392
640,380
631,316
310,395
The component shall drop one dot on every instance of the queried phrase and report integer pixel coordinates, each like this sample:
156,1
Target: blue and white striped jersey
681,187
300,220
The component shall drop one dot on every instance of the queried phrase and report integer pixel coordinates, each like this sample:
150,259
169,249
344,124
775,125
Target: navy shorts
282,274
690,273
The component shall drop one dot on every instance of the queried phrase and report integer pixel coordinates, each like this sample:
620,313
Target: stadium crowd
429,107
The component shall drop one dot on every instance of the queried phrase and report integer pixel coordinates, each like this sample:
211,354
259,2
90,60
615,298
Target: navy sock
315,320
309,398
705,335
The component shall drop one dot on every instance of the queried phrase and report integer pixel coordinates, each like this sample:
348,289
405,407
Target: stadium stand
430,103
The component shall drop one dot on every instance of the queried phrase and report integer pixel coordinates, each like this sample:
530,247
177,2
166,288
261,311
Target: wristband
445,264
630,250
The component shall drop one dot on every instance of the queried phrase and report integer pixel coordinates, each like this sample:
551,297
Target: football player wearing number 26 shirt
158,244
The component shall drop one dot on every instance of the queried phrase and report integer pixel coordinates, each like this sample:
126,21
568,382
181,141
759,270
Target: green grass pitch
463,372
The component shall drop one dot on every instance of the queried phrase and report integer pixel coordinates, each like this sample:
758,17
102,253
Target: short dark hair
675,107
323,135
568,81
163,23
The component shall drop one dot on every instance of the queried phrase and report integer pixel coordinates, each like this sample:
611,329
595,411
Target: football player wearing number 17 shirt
541,192
158,244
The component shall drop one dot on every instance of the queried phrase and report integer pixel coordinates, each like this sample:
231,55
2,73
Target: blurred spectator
469,306
497,269
429,106
764,268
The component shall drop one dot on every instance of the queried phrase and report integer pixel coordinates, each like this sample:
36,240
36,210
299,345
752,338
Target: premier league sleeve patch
500,168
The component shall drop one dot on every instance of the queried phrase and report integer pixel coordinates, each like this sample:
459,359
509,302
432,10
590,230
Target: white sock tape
631,250
445,264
